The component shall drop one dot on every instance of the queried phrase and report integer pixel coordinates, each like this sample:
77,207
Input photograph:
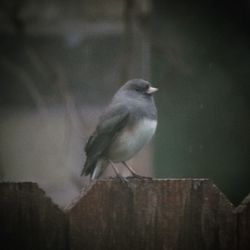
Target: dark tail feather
94,168
88,167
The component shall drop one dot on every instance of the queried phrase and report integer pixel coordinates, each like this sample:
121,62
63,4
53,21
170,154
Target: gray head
138,87
138,95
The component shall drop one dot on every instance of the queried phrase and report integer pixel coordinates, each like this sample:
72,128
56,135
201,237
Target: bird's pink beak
151,90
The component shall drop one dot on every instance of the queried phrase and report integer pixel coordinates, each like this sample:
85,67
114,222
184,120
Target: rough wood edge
135,181
237,208
243,205
34,186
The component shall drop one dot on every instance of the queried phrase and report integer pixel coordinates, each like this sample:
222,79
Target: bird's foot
140,176
123,179
132,171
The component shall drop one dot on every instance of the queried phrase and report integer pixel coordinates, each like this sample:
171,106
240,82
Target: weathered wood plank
152,214
29,220
243,213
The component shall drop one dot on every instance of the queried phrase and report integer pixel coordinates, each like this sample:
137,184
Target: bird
127,124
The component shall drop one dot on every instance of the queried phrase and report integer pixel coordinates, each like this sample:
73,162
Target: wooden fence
170,214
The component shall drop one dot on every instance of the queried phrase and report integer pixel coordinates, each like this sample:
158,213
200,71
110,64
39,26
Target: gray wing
110,125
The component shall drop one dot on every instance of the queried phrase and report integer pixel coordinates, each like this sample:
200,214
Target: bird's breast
131,140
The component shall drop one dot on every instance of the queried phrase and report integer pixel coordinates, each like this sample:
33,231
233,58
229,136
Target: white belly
132,141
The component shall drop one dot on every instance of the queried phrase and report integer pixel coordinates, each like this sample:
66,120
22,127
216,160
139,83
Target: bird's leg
132,171
124,180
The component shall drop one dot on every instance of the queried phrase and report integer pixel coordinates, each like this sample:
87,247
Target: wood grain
153,214
243,213
171,214
29,220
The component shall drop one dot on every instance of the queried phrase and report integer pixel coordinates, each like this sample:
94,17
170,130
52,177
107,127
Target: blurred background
61,62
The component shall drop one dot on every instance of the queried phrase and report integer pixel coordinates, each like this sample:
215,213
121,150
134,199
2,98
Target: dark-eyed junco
126,126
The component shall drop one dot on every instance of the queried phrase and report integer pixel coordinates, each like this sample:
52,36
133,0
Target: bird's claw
123,179
141,176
